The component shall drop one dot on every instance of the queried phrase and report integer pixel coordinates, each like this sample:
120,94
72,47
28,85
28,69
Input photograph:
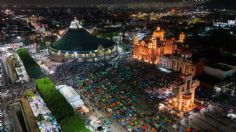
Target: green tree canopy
32,68
73,123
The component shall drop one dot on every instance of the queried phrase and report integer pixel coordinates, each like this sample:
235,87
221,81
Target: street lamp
18,38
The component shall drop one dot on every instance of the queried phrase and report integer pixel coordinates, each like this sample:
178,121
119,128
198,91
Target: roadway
9,95
208,119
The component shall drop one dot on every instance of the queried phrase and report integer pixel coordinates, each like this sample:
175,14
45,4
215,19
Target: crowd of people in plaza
121,88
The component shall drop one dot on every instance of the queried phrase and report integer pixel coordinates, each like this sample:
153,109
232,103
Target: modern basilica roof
79,39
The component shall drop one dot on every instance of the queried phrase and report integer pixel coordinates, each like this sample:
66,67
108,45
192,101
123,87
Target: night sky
76,2
212,3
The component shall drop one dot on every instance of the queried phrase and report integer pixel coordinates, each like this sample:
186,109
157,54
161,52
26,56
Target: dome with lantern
78,44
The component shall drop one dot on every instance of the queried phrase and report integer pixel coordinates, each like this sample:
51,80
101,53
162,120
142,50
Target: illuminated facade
185,95
150,49
184,92
168,55
178,64
83,56
181,37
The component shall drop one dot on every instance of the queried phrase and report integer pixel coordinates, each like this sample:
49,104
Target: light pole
19,39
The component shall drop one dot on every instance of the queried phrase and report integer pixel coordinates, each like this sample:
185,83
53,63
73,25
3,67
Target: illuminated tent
70,95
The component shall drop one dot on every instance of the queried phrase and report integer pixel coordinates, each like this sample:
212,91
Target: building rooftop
80,40
230,84
221,67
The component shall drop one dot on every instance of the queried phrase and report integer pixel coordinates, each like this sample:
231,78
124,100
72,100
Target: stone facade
186,94
178,64
150,49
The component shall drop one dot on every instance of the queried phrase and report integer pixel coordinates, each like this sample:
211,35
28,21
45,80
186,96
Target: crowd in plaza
121,89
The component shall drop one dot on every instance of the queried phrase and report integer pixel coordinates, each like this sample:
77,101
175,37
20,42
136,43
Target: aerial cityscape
117,66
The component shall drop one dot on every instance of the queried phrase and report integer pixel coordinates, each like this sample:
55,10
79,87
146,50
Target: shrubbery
54,100
32,68
60,108
73,123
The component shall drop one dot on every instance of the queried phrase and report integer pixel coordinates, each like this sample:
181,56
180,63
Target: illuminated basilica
150,49
170,54
77,44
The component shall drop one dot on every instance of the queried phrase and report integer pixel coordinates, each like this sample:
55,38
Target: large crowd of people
121,88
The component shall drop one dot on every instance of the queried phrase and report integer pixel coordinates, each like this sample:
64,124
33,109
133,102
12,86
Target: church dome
79,39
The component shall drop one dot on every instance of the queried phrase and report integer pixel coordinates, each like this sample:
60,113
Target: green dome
80,40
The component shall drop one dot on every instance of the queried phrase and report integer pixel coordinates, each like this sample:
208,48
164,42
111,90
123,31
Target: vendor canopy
70,95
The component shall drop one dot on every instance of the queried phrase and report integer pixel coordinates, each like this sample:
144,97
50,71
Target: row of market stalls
44,118
20,70
16,69
1,75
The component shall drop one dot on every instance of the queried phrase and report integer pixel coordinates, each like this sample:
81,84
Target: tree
39,118
55,101
29,93
60,108
73,123
32,68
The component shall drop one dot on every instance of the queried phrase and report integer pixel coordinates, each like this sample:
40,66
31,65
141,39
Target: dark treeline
223,4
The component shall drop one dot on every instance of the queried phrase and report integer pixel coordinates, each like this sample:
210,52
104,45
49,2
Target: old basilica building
173,55
151,48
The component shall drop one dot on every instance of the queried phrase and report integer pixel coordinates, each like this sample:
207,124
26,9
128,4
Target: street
207,119
9,94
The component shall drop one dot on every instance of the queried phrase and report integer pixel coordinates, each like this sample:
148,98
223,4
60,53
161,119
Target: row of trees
32,68
61,109
73,123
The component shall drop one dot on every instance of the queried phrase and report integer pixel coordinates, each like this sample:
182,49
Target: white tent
70,95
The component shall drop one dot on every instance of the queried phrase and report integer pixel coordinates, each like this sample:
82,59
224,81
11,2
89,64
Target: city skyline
82,2
117,66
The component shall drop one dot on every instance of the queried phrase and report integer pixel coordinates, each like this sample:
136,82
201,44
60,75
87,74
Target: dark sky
75,2
228,4
213,3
